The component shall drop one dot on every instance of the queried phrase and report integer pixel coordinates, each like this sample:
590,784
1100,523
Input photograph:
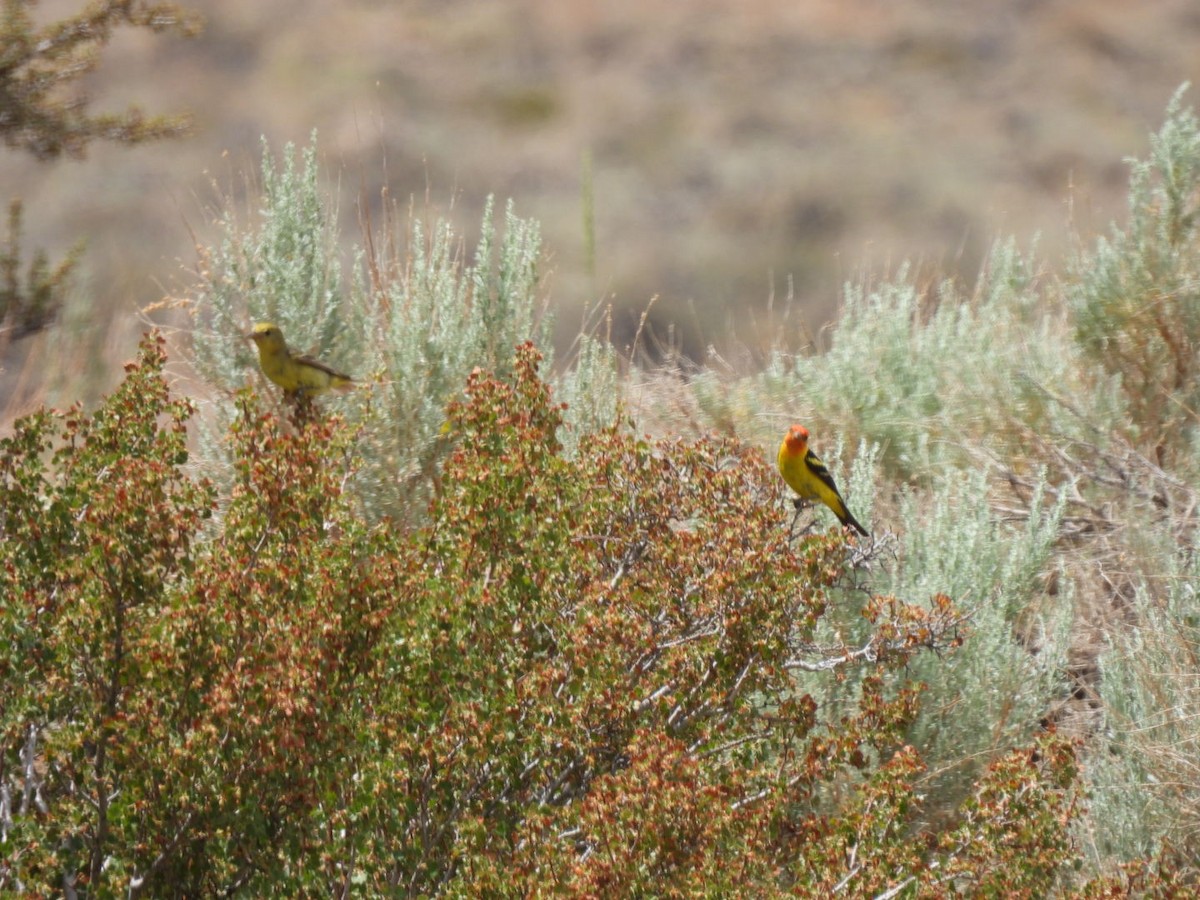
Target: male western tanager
299,376
808,477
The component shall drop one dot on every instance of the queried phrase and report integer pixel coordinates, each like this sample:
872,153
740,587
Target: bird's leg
800,505
303,409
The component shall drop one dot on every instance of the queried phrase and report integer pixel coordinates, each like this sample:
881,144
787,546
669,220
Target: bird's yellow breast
797,476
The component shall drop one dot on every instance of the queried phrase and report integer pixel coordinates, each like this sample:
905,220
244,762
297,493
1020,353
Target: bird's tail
844,516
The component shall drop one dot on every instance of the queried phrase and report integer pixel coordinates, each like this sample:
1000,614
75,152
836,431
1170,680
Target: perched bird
299,376
808,477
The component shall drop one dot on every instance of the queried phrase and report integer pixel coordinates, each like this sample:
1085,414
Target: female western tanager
299,376
808,477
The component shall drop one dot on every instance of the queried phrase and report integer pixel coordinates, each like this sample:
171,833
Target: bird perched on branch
299,376
808,477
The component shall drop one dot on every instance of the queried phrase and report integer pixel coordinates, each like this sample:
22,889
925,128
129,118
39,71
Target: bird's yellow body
298,375
808,477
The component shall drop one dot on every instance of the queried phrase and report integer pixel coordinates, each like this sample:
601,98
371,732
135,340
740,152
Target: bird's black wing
818,468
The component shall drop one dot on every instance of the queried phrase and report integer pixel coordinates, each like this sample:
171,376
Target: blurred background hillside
735,150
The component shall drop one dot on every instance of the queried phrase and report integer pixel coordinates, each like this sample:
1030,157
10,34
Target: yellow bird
298,375
808,477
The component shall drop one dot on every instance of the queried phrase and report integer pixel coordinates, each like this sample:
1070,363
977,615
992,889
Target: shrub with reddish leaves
577,678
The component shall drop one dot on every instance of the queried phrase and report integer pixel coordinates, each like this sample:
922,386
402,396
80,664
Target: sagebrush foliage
413,319
1135,299
285,268
926,371
1136,294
